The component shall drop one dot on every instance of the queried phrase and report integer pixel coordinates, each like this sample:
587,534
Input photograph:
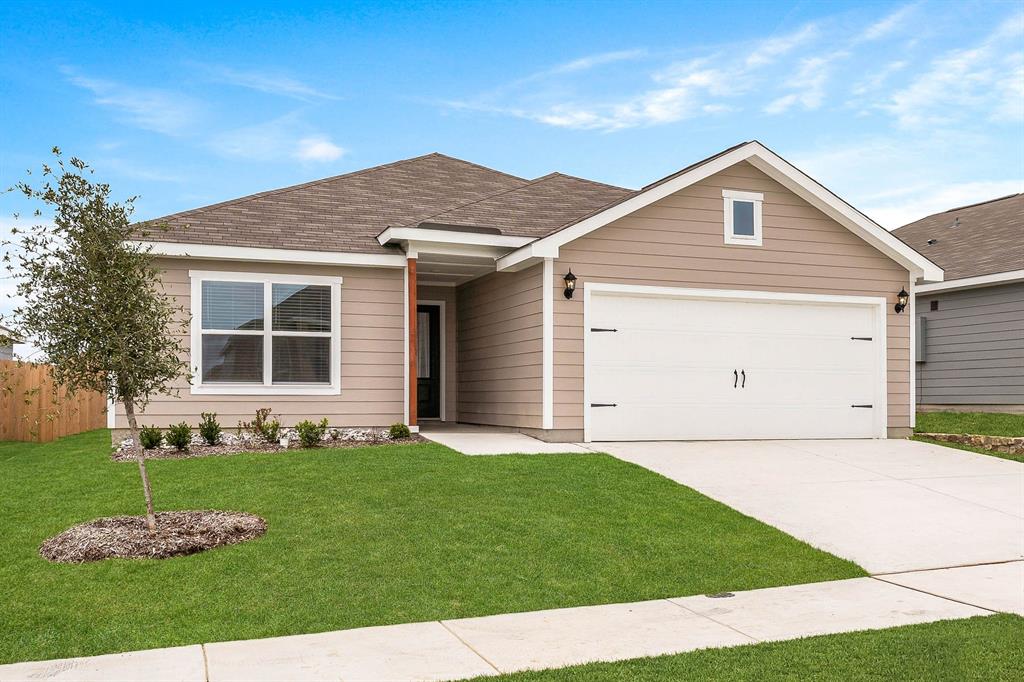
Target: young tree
91,297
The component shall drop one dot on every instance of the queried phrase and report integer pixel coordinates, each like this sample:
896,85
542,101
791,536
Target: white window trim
756,198
197,278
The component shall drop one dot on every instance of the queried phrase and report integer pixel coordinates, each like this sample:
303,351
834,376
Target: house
7,340
970,327
736,298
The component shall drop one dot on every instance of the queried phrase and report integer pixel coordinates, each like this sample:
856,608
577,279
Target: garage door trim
878,303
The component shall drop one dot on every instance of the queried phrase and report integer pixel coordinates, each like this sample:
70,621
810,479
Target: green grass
980,648
364,536
971,448
978,423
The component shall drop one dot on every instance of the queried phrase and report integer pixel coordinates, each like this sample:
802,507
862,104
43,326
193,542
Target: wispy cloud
155,109
887,24
924,202
807,85
285,137
591,61
771,49
270,82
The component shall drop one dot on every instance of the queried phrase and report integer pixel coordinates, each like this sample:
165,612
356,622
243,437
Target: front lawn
364,536
980,648
978,423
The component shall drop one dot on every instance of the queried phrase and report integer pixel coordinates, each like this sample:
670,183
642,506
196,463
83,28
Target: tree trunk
133,427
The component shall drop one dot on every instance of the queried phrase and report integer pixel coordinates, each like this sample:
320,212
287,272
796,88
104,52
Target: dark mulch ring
177,533
128,455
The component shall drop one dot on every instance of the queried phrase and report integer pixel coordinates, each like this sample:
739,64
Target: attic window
742,217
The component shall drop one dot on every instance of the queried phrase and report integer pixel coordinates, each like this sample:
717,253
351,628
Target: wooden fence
33,409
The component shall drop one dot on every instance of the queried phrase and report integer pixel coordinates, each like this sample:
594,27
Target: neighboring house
737,298
7,340
970,336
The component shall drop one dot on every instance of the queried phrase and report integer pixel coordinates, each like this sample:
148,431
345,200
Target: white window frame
197,278
756,198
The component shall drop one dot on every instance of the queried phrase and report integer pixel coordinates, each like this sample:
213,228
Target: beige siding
679,241
499,342
451,362
372,353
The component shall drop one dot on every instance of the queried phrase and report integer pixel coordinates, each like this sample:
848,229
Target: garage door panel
668,369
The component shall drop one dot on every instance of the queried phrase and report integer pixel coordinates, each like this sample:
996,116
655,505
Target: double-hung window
742,217
265,334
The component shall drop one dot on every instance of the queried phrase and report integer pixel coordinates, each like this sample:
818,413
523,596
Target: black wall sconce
570,284
902,299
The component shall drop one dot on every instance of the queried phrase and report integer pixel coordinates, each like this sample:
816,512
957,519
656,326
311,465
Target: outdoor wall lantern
901,301
570,284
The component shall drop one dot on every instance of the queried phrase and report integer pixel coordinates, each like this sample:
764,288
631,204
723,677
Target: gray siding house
970,327
7,341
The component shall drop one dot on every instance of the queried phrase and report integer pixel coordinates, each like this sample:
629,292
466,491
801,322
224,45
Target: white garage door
666,367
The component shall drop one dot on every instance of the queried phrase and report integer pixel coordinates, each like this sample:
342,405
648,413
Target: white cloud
767,51
936,198
876,80
595,60
318,148
161,111
269,82
887,24
808,84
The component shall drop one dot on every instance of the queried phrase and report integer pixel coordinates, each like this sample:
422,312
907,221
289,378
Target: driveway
888,505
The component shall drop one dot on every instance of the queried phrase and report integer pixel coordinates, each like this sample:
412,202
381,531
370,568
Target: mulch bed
177,533
127,455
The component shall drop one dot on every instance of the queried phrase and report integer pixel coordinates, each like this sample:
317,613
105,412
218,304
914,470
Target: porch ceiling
434,269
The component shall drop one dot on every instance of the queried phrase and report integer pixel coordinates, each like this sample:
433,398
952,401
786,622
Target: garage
686,364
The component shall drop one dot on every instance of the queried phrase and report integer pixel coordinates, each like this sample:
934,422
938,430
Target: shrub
399,430
180,436
267,429
209,428
311,434
150,437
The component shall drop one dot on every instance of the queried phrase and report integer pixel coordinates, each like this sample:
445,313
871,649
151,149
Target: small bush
311,434
150,437
209,428
399,431
180,436
267,429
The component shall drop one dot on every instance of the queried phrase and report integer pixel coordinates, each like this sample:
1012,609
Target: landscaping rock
126,537
1004,444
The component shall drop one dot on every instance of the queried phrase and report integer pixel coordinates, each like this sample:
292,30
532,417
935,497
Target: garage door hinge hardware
602,329
860,405
603,404
861,338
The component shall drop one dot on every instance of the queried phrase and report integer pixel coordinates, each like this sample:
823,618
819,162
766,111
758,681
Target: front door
428,361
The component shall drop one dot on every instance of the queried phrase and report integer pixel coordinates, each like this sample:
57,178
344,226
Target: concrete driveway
888,505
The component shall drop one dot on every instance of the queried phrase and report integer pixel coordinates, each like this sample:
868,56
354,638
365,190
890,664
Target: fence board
33,409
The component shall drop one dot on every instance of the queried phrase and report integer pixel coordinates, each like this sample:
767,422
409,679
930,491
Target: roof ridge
592,182
477,165
291,188
981,203
527,183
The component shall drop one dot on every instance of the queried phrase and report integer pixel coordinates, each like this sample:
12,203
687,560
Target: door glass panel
422,345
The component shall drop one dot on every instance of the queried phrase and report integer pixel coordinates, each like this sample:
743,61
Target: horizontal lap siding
372,353
974,347
678,241
499,341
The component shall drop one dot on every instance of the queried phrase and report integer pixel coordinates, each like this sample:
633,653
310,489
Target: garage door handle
743,373
603,404
860,338
602,329
735,378
860,405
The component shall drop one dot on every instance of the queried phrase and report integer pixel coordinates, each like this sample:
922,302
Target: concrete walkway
889,505
484,440
458,649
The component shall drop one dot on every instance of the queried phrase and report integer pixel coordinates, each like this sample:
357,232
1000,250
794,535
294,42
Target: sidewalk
489,645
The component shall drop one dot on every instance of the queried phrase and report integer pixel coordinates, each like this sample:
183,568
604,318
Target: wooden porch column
411,262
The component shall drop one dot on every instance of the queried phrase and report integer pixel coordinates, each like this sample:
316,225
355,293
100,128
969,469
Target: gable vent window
265,334
742,217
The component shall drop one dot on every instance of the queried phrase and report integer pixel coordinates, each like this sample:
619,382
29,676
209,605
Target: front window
742,217
265,333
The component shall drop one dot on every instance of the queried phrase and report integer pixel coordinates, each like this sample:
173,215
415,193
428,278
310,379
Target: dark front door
428,361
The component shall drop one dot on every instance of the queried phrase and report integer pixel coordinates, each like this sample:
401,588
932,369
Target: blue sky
902,108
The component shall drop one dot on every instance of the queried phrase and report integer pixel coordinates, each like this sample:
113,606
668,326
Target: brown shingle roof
342,213
535,209
980,239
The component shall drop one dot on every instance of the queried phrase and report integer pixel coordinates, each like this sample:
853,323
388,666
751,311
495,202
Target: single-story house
7,340
735,298
970,327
